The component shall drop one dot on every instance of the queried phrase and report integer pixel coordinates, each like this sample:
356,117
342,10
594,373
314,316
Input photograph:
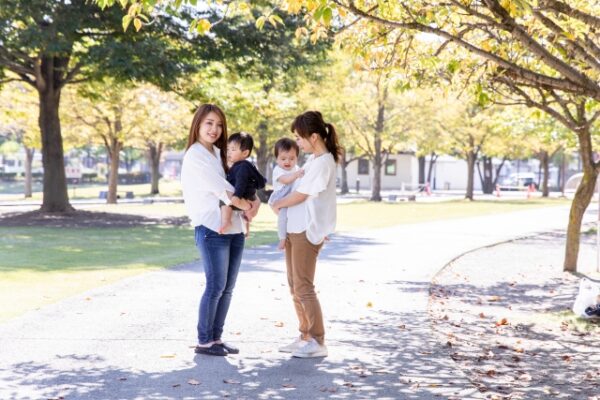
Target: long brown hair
194,135
312,122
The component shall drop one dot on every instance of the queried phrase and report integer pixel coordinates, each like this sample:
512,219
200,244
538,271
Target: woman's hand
251,212
275,208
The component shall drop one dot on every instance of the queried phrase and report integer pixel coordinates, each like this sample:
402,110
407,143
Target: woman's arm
290,200
240,203
251,213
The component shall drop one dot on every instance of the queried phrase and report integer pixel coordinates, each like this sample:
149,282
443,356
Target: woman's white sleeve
315,179
210,180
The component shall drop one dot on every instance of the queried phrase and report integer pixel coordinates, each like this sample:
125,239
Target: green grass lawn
39,266
13,191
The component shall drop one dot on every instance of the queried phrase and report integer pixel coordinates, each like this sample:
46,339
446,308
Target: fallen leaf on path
122,379
176,385
494,298
481,315
288,385
369,305
193,382
503,321
382,371
279,324
231,381
566,358
525,377
168,356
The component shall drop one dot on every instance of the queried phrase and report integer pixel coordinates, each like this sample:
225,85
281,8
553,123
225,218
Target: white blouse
317,214
203,184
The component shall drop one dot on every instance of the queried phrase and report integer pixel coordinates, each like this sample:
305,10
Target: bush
134,177
89,176
8,176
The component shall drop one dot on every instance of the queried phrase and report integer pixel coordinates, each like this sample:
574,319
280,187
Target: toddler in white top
284,175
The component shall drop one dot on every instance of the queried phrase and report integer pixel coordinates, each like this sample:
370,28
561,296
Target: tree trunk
432,160
495,181
344,165
471,158
563,173
154,154
114,152
582,199
487,183
29,152
422,161
128,160
545,161
56,198
377,161
262,151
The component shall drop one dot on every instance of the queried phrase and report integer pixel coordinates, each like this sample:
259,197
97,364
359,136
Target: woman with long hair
204,185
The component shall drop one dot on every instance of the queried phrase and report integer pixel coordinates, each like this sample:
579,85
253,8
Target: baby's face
235,154
287,159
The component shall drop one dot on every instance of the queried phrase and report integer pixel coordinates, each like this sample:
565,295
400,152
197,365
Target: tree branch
572,45
522,73
563,8
520,33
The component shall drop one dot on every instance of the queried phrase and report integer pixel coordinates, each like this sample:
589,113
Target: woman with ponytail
311,218
204,185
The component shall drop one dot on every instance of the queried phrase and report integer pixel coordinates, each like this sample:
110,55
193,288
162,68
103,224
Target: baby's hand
299,173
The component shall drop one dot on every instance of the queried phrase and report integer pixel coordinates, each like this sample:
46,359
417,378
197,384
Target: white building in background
449,173
398,171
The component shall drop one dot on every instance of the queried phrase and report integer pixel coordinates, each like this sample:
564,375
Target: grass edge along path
39,267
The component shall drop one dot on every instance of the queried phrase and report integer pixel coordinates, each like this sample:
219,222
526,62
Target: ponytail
312,122
332,143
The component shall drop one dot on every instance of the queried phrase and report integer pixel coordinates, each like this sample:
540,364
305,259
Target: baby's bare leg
226,213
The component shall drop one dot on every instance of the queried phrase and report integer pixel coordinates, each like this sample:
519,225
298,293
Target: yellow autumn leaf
203,26
138,24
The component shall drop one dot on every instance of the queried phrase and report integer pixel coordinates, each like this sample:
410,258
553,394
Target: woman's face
211,129
304,143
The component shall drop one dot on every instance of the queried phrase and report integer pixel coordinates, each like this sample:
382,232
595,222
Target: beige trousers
301,261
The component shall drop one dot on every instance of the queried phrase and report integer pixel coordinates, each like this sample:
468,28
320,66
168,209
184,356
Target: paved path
133,339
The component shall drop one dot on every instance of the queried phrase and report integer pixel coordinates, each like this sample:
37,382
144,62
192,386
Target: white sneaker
290,348
311,349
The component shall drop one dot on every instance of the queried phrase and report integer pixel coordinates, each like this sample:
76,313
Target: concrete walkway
134,339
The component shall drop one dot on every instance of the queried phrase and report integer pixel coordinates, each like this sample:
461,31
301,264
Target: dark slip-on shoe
229,348
214,350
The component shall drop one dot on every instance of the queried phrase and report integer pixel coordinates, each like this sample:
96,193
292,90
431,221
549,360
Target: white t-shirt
278,172
203,184
316,215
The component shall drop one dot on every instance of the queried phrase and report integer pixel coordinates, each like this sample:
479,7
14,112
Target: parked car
519,179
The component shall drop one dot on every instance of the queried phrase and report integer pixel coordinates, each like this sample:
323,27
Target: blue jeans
221,257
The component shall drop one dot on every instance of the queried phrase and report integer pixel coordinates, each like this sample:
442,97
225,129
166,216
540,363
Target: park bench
128,195
401,197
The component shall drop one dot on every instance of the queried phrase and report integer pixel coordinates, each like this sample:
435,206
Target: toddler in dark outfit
242,175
